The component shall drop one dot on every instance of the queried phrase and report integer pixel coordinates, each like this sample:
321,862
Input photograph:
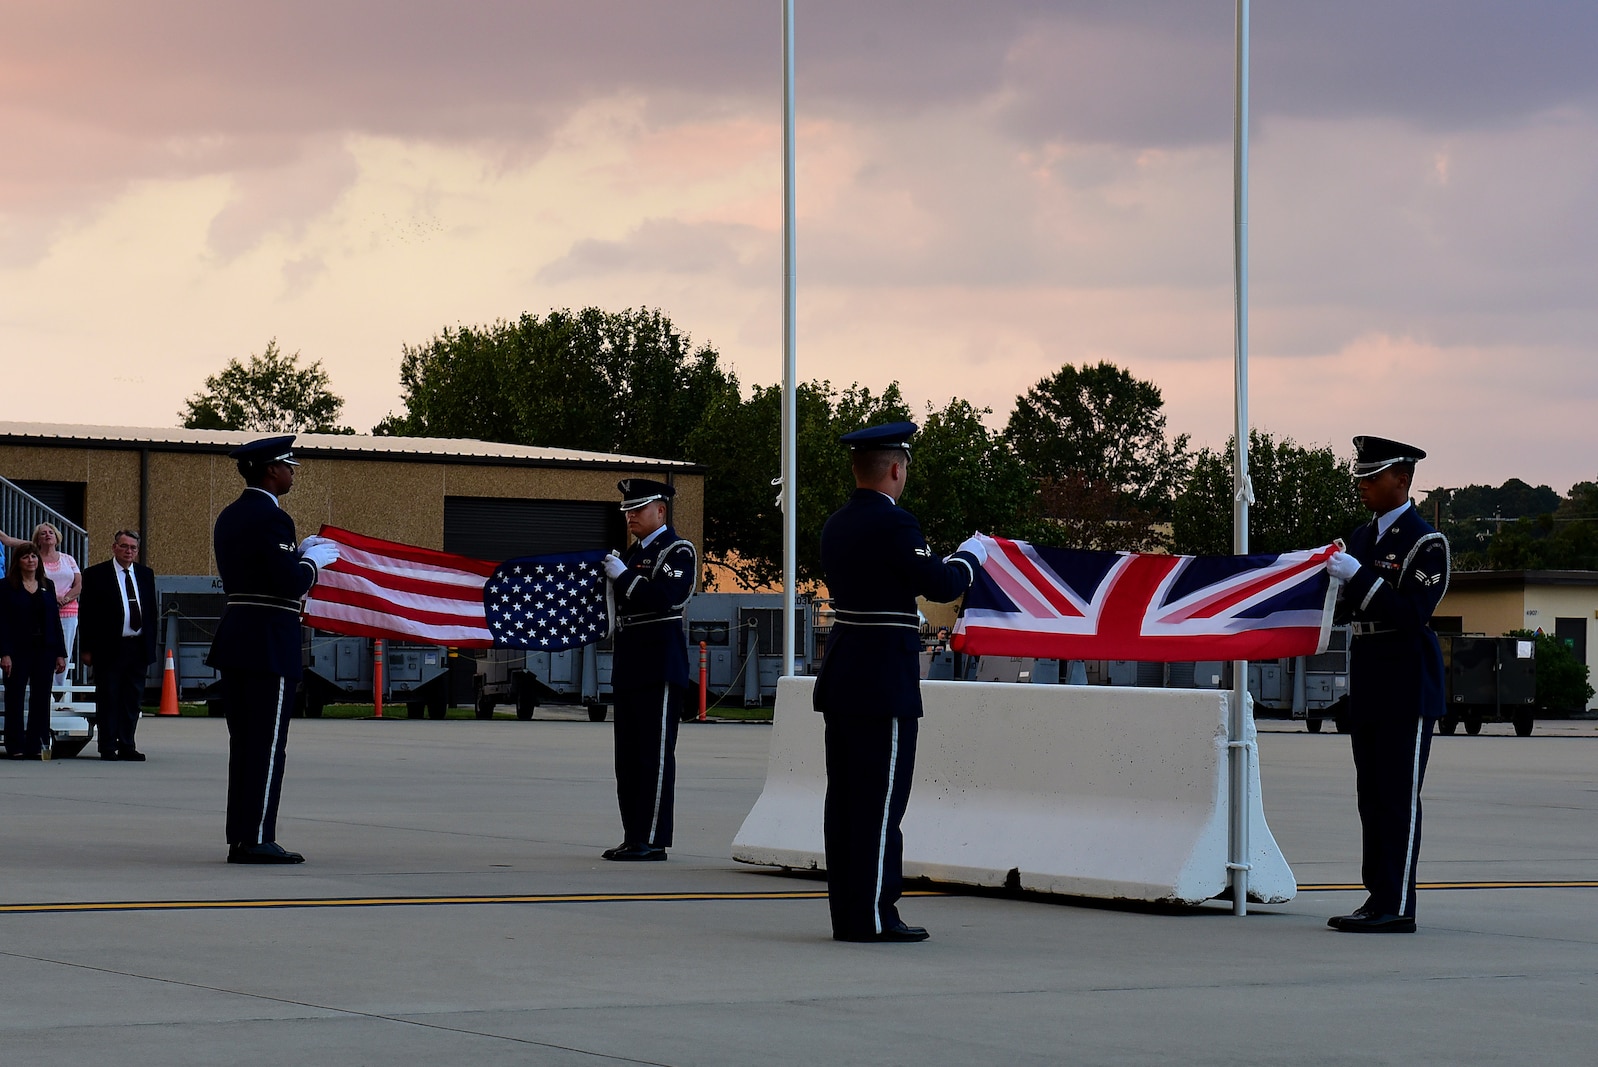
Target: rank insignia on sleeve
924,551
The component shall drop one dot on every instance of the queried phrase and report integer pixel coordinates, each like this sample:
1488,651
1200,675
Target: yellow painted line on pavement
1553,884
606,898
408,902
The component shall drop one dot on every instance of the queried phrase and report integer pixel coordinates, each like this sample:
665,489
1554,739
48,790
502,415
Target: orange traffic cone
169,688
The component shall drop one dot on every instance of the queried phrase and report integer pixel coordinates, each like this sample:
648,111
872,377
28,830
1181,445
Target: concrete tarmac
454,910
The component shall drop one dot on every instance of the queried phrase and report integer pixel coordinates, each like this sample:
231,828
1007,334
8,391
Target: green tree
1072,512
1518,527
1474,517
1580,504
741,445
1303,497
271,393
628,382
1104,428
1546,543
965,477
1562,683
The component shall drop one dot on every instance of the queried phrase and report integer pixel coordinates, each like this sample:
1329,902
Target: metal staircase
20,513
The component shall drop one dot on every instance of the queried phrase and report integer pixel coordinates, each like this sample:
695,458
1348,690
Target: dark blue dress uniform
875,563
648,673
30,633
1395,683
257,651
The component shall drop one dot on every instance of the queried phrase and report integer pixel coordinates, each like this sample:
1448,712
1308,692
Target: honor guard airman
1394,572
651,582
876,563
257,645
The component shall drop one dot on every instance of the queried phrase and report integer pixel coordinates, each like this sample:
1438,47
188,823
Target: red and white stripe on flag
385,589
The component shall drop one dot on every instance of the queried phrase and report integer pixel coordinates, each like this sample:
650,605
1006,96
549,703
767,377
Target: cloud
1357,218
663,246
286,196
1484,414
985,192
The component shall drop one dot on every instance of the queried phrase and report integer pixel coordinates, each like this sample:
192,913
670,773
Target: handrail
20,512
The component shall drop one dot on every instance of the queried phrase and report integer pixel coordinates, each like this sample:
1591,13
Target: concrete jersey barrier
1091,791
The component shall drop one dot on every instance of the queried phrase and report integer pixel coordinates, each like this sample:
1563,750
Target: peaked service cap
267,450
636,492
1375,454
877,438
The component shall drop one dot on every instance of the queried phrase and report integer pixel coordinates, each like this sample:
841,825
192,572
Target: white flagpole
1239,749
790,461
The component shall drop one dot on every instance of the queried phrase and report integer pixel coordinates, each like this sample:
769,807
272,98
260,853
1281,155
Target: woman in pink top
63,571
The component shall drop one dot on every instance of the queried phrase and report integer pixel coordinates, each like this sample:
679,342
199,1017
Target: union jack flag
1062,603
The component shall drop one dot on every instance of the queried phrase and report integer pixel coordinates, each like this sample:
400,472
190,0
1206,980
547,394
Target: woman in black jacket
31,650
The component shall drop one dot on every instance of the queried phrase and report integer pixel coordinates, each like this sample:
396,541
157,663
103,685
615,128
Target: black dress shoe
109,756
634,853
1336,921
1377,924
131,755
899,933
266,852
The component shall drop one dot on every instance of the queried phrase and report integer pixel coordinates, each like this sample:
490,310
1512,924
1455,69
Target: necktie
135,616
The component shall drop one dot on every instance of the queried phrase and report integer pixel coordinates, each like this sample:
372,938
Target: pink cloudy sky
987,191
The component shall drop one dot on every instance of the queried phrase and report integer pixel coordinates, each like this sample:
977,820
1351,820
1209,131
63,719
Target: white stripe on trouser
271,763
882,839
660,763
1414,805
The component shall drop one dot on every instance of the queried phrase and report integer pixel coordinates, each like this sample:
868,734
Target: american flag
385,589
550,602
1061,603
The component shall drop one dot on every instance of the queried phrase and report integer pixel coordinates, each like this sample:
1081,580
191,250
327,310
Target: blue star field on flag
548,603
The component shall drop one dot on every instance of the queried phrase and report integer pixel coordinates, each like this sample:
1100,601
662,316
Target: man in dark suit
652,583
117,636
1394,572
257,644
876,563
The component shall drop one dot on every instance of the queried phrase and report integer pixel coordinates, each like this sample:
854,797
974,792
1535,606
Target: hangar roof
325,445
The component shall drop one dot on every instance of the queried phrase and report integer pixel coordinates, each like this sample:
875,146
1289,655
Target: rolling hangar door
499,528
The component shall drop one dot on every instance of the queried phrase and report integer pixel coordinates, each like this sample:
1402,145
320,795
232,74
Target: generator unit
1311,688
190,607
342,668
1489,679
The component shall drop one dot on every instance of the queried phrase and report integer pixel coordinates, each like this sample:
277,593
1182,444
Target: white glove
320,554
1342,566
614,567
975,546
